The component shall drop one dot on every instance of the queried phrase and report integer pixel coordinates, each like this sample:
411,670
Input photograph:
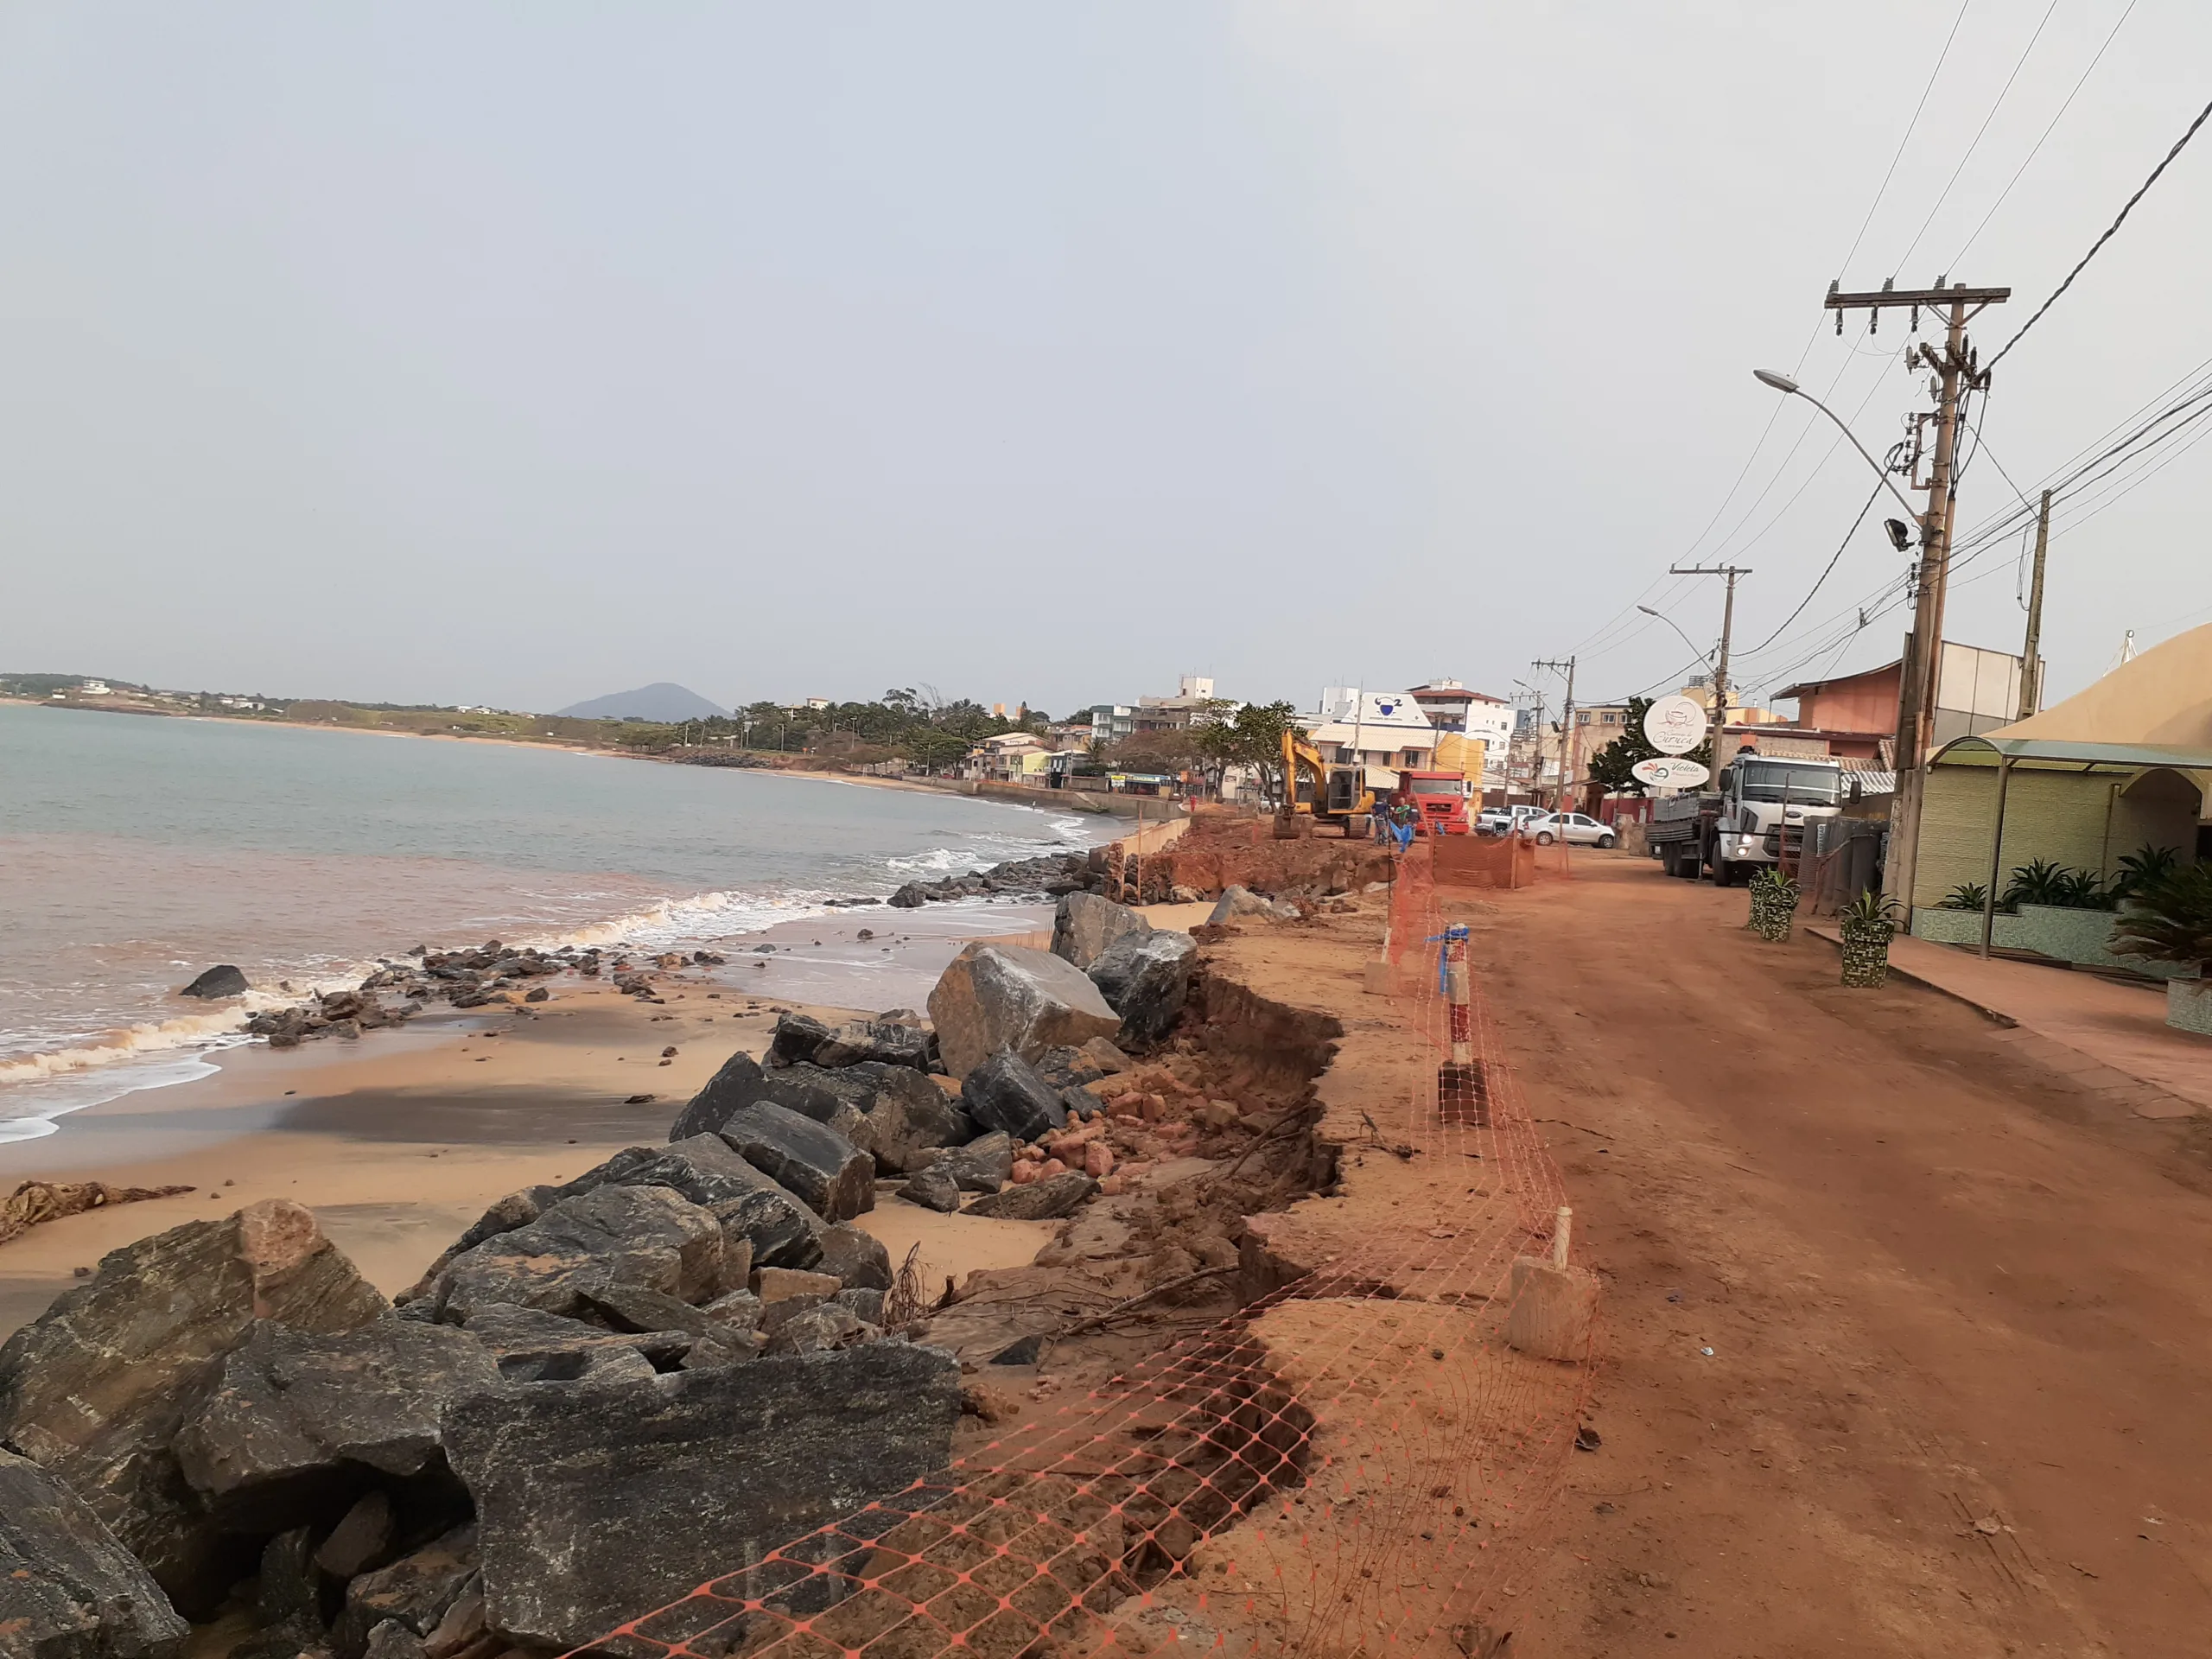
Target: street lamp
1788,387
1671,622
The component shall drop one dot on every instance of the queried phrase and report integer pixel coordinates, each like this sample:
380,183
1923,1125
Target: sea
136,851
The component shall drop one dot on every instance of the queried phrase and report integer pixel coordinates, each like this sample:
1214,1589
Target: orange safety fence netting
1344,1464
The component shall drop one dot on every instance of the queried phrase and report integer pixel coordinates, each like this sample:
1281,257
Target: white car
1576,829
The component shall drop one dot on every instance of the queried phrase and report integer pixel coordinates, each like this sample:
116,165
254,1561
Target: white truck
1755,815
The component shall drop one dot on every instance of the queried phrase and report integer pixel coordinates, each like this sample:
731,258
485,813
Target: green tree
1612,766
1251,737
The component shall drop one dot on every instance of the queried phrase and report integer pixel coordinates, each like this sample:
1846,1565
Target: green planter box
2055,930
1964,927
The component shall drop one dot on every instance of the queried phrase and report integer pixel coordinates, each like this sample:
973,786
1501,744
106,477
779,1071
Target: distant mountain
661,701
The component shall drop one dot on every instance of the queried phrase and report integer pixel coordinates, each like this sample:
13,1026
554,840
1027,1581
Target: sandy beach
398,1139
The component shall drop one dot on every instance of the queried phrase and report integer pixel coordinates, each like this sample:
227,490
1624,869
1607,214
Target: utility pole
1727,631
2030,677
1567,740
1958,371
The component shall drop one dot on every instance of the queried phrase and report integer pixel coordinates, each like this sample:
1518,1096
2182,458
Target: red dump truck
1441,798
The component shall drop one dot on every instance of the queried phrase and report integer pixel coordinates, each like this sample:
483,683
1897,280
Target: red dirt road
1959,1401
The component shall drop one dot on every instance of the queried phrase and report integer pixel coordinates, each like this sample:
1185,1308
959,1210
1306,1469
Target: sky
517,354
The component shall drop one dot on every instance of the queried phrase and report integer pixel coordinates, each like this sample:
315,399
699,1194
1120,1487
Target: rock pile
1030,878
597,1399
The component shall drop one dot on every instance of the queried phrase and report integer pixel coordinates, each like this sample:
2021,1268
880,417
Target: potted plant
2170,920
1868,924
1774,904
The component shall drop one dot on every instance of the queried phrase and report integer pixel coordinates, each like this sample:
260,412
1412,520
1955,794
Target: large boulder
795,1038
530,1345
96,1387
995,996
649,1235
738,1084
217,983
1085,926
1046,1200
1147,979
294,1420
769,1220
891,1044
1237,903
899,1115
67,1589
984,1165
1006,1094
833,1176
859,1260
597,1505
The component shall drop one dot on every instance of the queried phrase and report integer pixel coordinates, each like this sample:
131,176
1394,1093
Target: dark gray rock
865,1304
416,1590
737,1084
634,1308
984,1165
532,1345
225,980
724,1346
287,1593
777,1227
1006,1093
868,1039
833,1178
1007,996
911,896
649,1235
597,1504
516,1209
293,1418
796,1039
858,1259
361,1540
68,1590
1085,926
96,1387
1145,979
932,1189
741,1308
822,1329
393,1640
778,1314
1046,1200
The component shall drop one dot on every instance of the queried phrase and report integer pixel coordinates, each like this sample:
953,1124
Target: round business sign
1670,771
1675,724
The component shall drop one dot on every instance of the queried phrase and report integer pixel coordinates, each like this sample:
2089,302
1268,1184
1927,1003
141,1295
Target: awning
1989,748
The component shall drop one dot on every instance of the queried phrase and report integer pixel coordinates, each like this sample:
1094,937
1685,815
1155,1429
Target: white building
1383,731
1451,707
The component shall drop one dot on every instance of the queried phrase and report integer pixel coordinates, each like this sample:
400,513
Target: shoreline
399,1140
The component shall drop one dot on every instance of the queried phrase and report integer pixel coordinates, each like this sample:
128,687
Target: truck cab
1765,802
1439,797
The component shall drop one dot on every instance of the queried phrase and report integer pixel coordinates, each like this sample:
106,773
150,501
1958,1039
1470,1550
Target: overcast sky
518,353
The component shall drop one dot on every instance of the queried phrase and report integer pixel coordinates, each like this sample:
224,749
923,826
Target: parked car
1503,820
1576,829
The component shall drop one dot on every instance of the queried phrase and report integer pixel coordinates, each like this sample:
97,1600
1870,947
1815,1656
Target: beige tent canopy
2124,764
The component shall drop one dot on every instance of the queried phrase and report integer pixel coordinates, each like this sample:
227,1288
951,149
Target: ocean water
136,851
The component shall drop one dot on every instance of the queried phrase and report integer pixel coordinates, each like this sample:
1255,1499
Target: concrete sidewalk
2109,1037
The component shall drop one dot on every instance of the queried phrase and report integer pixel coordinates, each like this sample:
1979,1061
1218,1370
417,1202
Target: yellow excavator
1320,791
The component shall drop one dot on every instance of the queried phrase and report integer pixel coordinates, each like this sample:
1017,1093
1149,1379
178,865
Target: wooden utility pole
1958,372
1566,743
1727,629
2031,671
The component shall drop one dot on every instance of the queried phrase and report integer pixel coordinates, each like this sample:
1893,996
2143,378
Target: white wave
701,918
186,1031
31,1108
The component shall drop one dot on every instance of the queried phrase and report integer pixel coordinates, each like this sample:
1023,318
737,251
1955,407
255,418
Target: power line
1979,132
2110,231
1916,110
1959,258
1825,572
